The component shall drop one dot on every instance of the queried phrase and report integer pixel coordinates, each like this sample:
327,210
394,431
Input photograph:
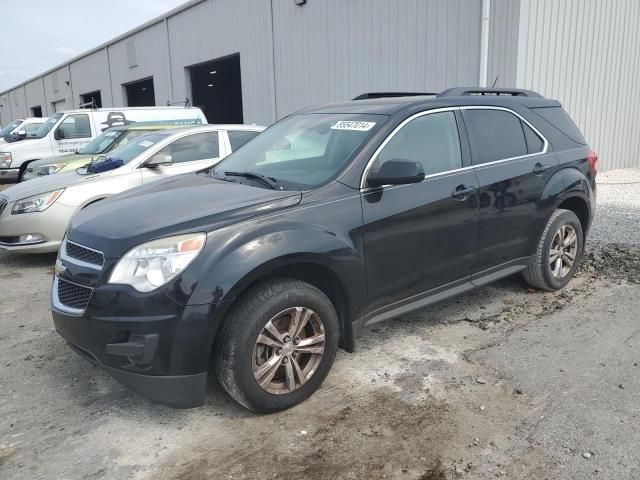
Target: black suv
335,218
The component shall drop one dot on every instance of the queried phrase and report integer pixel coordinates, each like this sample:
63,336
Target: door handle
540,168
462,192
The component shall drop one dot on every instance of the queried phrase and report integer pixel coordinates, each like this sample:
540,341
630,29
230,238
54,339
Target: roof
449,98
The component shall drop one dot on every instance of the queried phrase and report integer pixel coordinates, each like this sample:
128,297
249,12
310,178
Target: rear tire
558,253
264,356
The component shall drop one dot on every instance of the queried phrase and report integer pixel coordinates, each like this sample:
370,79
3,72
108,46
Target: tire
239,353
540,273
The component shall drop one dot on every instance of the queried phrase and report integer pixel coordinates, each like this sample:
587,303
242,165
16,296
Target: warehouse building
255,61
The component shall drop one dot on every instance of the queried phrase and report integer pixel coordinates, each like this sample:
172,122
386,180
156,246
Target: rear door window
200,146
494,135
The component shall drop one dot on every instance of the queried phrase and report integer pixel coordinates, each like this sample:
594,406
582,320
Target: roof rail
511,92
366,96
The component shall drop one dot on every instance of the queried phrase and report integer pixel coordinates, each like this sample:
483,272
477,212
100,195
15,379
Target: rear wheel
559,252
277,346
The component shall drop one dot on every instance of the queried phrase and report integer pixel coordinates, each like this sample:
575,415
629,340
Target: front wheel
558,253
277,345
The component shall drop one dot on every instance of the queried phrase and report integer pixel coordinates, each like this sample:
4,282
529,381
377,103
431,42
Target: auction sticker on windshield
353,125
145,143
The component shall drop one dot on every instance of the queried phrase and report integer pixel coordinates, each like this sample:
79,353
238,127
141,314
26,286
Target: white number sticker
145,143
353,125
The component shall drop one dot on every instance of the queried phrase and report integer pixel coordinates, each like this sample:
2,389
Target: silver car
34,215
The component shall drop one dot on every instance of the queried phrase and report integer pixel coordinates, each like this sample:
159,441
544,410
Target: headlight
37,203
5,159
49,169
153,264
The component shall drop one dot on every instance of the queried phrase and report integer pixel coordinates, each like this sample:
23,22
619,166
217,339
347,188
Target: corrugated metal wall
503,43
91,73
151,60
333,50
585,53
217,28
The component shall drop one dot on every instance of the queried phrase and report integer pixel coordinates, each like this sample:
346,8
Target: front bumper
9,175
51,224
177,391
112,332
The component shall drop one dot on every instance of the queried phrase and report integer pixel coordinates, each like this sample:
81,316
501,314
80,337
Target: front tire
277,345
558,253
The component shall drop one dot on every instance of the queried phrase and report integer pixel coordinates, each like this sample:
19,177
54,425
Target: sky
40,34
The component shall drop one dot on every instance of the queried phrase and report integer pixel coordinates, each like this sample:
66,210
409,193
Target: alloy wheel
563,251
288,350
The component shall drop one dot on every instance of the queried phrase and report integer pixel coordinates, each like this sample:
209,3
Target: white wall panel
333,50
91,73
34,92
152,60
585,54
57,90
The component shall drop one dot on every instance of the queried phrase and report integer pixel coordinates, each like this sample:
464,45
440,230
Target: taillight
592,158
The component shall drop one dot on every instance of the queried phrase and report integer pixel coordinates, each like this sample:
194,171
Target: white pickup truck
65,132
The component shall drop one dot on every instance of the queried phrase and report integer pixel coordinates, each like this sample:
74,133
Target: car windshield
9,128
47,126
132,149
302,151
102,143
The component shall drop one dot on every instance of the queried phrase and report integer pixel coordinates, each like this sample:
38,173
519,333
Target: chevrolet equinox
334,218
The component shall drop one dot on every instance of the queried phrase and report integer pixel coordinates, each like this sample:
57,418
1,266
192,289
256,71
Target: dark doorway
140,93
91,99
216,88
36,111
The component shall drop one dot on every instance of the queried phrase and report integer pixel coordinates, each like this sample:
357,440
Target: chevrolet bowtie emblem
59,269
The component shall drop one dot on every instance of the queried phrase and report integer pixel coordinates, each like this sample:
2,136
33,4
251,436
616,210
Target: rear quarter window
238,138
557,117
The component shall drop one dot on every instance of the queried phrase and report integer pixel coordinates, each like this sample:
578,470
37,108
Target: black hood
182,204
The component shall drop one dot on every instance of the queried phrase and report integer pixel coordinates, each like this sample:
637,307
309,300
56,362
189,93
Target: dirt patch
376,437
10,275
5,453
615,262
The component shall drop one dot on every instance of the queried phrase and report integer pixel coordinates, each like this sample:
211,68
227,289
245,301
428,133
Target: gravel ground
503,382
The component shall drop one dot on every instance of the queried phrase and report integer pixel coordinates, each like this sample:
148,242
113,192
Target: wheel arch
314,269
569,189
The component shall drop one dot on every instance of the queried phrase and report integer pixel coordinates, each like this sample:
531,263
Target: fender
240,255
566,183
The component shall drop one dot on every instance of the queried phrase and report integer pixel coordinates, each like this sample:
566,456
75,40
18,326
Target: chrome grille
3,203
72,295
83,254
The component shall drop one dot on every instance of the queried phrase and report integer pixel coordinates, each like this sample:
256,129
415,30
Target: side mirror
397,172
58,134
159,160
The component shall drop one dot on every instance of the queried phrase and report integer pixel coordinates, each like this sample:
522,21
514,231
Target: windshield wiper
271,183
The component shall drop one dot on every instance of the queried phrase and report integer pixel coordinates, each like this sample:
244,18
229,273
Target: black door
216,87
420,236
141,93
512,169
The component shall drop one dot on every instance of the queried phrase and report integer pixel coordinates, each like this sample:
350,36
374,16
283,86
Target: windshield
47,126
303,151
101,143
132,149
7,130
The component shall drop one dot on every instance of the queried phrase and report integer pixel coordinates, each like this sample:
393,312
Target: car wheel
277,345
558,254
